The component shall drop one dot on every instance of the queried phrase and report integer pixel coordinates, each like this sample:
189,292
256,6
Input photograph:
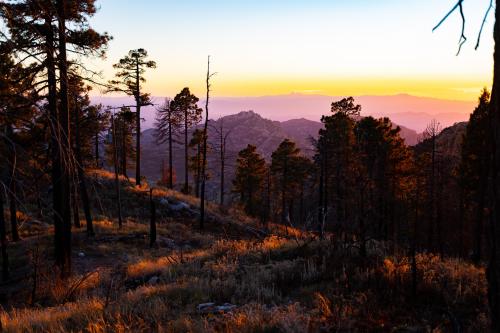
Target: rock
153,280
166,242
179,206
226,307
207,308
204,306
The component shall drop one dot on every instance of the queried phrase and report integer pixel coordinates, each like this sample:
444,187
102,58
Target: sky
273,47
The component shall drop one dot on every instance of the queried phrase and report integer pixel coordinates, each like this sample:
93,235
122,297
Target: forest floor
230,277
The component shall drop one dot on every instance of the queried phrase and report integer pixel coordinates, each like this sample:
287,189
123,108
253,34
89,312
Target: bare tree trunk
186,154
12,184
204,162
3,241
55,147
65,259
117,180
82,182
493,271
198,171
170,157
222,164
138,125
152,224
123,151
74,204
96,138
283,194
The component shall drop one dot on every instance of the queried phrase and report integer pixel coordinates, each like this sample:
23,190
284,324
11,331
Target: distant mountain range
246,127
409,111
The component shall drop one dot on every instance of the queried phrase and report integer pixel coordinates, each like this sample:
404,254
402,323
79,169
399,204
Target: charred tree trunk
55,147
117,180
198,170
170,154
222,166
3,242
82,182
64,258
186,154
96,148
152,224
123,150
283,193
493,271
74,204
12,184
204,161
138,127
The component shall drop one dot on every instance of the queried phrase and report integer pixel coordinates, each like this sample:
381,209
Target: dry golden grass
285,282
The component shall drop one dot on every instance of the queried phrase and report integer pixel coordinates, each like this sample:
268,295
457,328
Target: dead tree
221,149
131,76
204,152
117,180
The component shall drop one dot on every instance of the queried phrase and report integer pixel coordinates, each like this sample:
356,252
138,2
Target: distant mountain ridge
247,127
409,111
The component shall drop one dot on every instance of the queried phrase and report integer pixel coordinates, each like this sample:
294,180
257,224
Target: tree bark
170,157
138,125
64,261
3,242
117,180
96,138
152,224
55,148
493,271
74,203
186,156
82,183
12,185
204,161
222,164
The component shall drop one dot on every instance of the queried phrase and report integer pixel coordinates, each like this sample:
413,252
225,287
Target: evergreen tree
290,169
185,103
167,126
129,79
335,153
124,128
474,171
251,172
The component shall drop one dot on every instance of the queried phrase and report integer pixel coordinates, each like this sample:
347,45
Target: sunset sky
334,47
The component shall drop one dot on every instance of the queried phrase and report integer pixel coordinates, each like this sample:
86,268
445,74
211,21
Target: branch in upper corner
459,6
483,23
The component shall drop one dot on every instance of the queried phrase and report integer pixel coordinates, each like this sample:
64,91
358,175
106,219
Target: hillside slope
233,276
